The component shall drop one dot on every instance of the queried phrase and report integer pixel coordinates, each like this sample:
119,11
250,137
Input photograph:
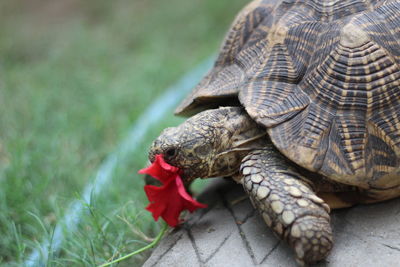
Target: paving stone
166,244
231,233
170,253
232,253
212,226
259,237
240,207
282,256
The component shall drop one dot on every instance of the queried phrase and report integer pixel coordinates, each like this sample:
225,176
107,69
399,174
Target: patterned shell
323,77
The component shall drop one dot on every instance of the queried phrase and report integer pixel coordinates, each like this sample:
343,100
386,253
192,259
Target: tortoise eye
171,152
203,150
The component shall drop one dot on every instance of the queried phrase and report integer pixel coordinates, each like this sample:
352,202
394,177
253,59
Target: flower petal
169,200
160,170
190,203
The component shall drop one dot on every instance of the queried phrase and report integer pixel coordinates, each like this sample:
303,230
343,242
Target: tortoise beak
152,156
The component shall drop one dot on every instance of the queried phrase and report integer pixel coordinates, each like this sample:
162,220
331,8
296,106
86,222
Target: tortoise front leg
287,204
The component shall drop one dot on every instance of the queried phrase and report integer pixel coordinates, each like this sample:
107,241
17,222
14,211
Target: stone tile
166,244
232,253
352,250
234,235
212,230
180,254
260,239
241,209
282,256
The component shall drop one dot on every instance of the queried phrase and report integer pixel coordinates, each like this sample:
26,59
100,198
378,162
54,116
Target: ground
231,233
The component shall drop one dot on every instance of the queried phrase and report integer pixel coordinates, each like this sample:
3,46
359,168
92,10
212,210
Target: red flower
169,200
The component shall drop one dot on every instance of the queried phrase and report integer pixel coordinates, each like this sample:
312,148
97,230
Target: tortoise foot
311,239
288,205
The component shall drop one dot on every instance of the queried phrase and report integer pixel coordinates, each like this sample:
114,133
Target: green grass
74,76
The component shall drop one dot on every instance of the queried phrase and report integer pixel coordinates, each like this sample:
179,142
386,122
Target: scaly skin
287,204
226,142
211,143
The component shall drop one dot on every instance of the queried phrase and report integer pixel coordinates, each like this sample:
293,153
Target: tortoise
301,107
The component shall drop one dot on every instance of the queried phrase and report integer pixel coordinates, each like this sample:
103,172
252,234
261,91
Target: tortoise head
209,144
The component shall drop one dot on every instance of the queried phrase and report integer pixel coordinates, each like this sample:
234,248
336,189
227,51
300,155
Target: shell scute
323,77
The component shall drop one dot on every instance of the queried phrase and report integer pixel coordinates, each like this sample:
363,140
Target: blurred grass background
74,76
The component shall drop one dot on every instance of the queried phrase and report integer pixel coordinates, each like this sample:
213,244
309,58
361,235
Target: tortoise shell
323,78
